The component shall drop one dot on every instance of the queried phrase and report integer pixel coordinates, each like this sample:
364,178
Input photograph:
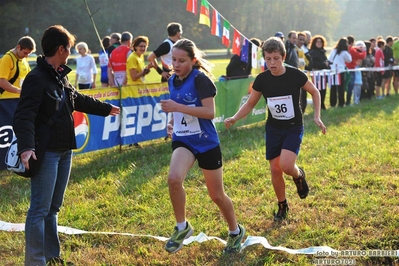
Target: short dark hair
255,41
106,41
54,37
274,44
389,39
290,33
350,39
380,43
126,36
116,36
27,42
173,28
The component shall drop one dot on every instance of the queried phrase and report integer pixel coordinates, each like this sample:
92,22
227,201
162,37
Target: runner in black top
280,85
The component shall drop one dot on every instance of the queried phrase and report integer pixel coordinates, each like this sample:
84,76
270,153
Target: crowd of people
352,62
46,94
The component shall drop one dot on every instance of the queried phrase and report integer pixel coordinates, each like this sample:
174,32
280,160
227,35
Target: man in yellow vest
14,67
300,41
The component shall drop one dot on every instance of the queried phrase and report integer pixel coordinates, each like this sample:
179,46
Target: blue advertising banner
141,117
7,109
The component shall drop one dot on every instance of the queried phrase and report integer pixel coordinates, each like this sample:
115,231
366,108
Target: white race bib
83,78
185,125
119,77
281,107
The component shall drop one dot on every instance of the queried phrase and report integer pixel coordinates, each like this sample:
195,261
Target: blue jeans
47,194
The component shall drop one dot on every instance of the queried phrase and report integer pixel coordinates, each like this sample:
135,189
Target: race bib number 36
185,125
281,107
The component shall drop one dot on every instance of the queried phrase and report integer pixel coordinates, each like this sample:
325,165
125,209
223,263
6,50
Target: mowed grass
353,173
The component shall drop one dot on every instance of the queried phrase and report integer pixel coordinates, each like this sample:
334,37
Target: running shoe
234,241
175,243
282,212
301,184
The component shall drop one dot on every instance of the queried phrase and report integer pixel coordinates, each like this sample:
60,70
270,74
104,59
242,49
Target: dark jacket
319,59
42,86
292,56
238,68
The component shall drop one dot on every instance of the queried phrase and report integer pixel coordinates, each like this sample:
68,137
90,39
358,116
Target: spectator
117,61
395,49
280,35
14,67
338,58
135,67
292,56
368,76
305,48
164,51
195,138
300,42
103,59
86,69
357,87
319,62
45,86
114,42
379,62
280,85
240,69
357,53
373,45
388,63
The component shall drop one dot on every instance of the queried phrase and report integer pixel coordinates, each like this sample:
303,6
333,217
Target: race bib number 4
185,125
281,107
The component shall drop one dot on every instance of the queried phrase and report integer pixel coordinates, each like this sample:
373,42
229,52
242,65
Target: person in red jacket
357,53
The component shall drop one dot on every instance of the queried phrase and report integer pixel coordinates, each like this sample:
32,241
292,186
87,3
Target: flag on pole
244,50
226,33
216,24
261,61
236,42
192,6
254,56
204,14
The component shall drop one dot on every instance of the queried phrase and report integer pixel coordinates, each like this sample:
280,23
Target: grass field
353,173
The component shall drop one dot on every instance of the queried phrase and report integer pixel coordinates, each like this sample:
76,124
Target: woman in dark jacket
368,76
47,150
319,62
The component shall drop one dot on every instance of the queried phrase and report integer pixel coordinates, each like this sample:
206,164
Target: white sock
235,232
181,226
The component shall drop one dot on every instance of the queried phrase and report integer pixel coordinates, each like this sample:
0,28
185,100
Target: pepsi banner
7,109
96,132
141,117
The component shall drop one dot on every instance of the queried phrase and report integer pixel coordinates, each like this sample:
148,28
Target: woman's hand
115,110
25,157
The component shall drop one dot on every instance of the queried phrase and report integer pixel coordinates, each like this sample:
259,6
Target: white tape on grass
201,237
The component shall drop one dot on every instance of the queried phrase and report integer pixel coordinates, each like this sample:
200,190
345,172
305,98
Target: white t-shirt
85,68
339,60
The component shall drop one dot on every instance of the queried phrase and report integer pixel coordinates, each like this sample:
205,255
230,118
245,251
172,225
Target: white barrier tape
201,237
333,71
